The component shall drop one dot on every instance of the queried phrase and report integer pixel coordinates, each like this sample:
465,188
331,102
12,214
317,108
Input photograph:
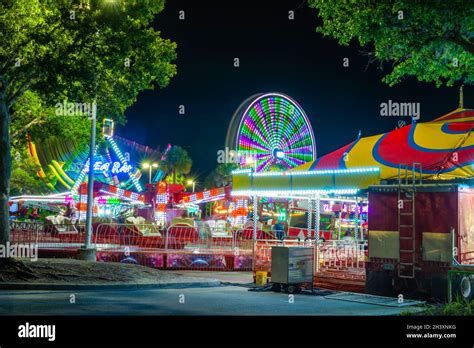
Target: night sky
276,55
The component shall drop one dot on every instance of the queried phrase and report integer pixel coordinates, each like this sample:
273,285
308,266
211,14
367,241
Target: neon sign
110,167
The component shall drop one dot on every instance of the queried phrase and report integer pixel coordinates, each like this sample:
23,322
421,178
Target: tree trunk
5,170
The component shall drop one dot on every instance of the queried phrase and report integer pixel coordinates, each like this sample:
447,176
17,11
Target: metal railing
331,255
46,235
177,247
341,254
186,247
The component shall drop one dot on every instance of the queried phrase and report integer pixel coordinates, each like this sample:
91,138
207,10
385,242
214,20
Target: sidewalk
236,278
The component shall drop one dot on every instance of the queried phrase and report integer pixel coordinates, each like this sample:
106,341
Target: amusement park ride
403,199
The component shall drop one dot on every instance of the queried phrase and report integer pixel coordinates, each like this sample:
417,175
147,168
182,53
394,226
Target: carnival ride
271,130
64,163
119,185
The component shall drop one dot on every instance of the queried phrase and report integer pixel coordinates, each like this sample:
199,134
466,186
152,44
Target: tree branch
36,121
20,91
467,45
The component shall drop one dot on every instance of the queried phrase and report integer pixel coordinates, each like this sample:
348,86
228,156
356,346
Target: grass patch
459,307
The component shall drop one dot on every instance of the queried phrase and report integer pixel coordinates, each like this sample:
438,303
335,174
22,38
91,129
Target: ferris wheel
273,131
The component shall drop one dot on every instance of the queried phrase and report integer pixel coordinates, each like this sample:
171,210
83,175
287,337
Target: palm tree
177,161
220,176
224,173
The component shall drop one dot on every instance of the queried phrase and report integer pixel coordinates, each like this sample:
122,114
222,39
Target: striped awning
444,147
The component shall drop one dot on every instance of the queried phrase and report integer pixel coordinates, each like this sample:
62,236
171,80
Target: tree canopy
177,162
83,51
220,176
78,51
429,40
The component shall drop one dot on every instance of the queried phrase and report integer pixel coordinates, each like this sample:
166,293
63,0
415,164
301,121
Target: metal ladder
406,220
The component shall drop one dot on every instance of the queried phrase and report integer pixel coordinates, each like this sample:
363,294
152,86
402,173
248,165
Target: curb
119,286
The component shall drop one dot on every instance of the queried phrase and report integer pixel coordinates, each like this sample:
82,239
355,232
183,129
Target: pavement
187,282
214,301
235,278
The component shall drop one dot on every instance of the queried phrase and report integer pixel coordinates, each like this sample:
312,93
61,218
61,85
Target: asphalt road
223,300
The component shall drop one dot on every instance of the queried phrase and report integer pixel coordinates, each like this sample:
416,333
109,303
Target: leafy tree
210,181
220,176
430,40
24,176
177,161
79,51
31,116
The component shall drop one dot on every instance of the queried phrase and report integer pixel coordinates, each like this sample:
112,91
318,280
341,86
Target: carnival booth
410,178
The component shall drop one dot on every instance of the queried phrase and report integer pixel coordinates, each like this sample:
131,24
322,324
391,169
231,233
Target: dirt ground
81,272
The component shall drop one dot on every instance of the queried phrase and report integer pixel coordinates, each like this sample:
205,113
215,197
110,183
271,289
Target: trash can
261,278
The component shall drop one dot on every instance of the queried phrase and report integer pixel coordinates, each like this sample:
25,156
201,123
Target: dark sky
276,54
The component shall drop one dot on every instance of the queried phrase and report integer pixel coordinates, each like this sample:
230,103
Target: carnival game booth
314,188
420,219
340,218
317,192
422,199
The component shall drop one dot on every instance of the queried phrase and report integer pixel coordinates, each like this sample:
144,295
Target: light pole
149,166
250,161
87,252
192,182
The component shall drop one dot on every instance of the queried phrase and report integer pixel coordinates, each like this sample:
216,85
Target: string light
358,170
286,193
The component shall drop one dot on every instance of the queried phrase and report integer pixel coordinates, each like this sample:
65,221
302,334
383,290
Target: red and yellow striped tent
444,147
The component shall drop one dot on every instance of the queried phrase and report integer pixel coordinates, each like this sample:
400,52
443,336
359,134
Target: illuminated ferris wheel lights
275,127
278,154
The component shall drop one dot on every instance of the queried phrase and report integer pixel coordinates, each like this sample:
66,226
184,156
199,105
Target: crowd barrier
330,255
186,247
177,247
46,235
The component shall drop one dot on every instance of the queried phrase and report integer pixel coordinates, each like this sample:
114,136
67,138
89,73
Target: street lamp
250,161
87,252
192,182
149,166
